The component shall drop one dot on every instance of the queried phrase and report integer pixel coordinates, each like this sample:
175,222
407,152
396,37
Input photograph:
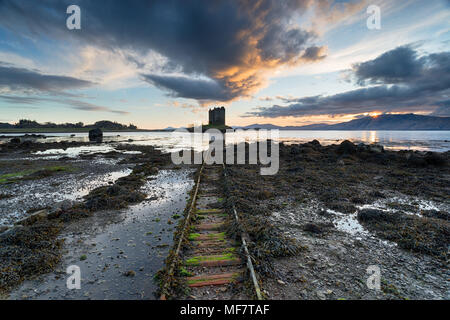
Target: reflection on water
83,150
393,140
168,141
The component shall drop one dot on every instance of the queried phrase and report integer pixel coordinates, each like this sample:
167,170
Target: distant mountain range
381,122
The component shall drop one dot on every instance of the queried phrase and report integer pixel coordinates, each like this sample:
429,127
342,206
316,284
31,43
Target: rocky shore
347,207
315,227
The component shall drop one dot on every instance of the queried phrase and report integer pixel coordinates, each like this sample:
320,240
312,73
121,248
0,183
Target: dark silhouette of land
381,122
33,126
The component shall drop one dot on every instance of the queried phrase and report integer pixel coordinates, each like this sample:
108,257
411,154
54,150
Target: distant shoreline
85,130
68,130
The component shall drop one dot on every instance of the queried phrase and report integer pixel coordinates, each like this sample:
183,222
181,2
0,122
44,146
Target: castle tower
216,116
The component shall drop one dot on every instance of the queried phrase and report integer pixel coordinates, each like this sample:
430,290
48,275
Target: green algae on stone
197,259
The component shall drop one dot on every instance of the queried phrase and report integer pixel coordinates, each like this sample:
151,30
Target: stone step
215,260
209,211
213,243
214,250
209,226
218,236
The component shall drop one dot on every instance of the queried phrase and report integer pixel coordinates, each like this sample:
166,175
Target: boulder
370,214
435,159
346,147
96,135
26,144
415,160
315,144
15,140
362,147
376,216
376,148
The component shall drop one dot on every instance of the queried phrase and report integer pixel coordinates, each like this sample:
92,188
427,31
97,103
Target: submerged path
213,265
212,258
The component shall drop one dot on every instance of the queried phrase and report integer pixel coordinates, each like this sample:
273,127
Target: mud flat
348,207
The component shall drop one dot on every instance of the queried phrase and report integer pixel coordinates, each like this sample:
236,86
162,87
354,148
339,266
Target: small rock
320,295
3,228
130,273
313,228
376,148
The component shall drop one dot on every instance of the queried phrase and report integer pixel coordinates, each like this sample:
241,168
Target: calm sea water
394,140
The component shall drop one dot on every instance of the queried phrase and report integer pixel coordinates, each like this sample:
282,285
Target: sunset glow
287,65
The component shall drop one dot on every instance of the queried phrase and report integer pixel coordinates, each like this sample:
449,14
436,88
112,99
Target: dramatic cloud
19,79
181,86
402,81
229,45
75,104
314,54
396,66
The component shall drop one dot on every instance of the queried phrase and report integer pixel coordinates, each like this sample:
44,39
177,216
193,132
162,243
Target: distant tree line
104,124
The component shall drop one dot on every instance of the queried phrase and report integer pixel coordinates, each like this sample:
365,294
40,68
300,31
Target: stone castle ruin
217,116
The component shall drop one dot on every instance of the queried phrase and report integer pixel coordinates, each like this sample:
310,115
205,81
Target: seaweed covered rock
341,206
313,228
33,218
346,147
436,214
373,215
425,235
28,251
436,159
376,148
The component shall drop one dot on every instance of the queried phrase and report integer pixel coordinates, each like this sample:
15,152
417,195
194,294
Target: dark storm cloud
198,89
404,82
395,66
229,42
20,79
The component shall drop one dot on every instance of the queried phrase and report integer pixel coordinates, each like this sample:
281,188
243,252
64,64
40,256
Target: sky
164,63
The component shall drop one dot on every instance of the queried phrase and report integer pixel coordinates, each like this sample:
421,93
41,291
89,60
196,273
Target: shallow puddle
78,151
348,223
36,194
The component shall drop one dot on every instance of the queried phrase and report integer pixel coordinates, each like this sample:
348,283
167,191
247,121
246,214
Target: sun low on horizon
164,64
